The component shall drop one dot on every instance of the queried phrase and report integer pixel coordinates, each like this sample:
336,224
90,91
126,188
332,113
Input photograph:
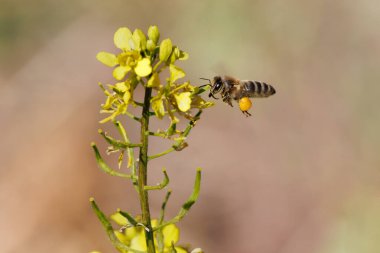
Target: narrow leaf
128,217
187,205
104,167
109,229
161,185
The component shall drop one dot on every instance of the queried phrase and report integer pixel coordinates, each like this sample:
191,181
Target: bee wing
257,89
230,81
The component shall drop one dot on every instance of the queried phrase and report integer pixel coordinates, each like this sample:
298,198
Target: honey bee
239,90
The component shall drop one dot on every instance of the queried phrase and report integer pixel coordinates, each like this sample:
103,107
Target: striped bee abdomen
257,89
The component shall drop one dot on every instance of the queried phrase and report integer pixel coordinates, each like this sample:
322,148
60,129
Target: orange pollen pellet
244,104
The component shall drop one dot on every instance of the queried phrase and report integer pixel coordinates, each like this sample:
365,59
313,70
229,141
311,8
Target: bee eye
217,86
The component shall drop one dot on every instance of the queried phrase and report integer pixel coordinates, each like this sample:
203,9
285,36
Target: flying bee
239,90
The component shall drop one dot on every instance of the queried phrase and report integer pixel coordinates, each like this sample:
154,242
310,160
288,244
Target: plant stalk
142,172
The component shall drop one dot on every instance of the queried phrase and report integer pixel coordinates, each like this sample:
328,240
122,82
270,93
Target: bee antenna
205,79
208,84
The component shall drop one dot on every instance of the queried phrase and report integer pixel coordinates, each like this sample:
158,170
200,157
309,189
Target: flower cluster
141,61
133,236
145,62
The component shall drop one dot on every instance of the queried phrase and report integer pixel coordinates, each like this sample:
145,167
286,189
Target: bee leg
246,113
227,100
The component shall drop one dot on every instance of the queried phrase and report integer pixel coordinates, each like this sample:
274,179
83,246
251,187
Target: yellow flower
140,61
183,101
134,236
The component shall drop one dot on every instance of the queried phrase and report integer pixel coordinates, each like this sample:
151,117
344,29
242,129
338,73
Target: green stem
143,175
161,154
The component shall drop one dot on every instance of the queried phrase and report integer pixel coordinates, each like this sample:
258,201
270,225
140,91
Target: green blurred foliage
26,25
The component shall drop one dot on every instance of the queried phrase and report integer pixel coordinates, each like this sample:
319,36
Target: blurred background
300,175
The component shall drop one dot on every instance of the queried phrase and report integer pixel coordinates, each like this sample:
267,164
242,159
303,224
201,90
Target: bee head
216,86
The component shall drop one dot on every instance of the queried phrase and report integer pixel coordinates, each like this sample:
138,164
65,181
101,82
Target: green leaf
154,81
116,144
139,39
109,229
158,107
120,72
187,205
104,167
175,73
129,217
194,195
143,67
163,207
154,34
165,49
183,101
122,37
161,185
107,59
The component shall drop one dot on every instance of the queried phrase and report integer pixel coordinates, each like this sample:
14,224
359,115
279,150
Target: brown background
301,175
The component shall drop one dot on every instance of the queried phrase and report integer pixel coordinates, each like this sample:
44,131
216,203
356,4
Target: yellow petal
122,86
180,250
154,223
175,73
107,59
120,72
121,38
171,235
158,107
138,242
197,250
143,67
131,232
121,237
139,39
119,219
154,81
183,101
126,97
